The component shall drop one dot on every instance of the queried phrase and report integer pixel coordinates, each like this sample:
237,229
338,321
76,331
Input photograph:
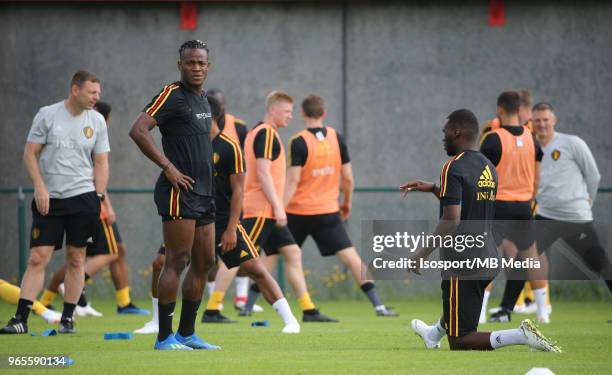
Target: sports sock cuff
123,297
48,297
255,288
24,307
68,311
366,287
305,302
215,300
38,308
82,300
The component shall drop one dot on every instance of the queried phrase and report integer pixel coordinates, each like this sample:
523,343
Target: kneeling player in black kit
468,185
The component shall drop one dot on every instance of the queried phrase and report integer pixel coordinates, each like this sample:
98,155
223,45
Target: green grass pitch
360,344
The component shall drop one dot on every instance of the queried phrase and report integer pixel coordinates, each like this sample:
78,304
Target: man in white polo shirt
569,179
66,156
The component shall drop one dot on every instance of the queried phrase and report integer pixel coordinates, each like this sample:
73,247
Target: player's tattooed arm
141,134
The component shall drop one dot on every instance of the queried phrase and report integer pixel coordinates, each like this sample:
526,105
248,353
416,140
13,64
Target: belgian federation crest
556,154
88,131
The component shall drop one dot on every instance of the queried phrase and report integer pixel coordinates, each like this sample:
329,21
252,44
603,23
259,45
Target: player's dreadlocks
193,44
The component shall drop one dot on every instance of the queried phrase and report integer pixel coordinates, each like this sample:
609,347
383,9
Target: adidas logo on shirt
486,179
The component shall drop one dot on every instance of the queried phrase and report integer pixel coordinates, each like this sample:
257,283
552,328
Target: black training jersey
470,180
184,120
299,150
228,160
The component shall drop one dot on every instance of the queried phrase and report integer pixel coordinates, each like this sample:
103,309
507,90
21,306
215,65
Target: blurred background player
9,293
526,102
569,181
66,156
458,194
264,213
233,245
319,166
525,301
516,156
105,248
236,129
184,192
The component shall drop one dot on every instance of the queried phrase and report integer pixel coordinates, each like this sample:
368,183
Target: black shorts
582,237
105,241
514,222
173,205
266,235
244,250
76,216
461,303
327,230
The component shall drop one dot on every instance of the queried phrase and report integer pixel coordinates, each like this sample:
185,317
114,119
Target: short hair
543,106
465,120
104,109
193,44
216,110
278,96
526,98
218,93
82,76
313,106
509,101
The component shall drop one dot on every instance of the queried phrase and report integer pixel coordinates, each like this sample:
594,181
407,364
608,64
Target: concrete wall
408,64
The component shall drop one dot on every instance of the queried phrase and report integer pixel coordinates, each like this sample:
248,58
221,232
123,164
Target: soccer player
264,213
106,247
467,190
524,113
66,156
233,245
118,267
319,166
229,125
516,156
236,129
9,293
525,118
567,190
152,326
184,192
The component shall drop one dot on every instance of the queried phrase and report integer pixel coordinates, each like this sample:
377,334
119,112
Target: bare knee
121,250
75,260
254,269
158,263
206,265
113,257
177,261
292,254
37,260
